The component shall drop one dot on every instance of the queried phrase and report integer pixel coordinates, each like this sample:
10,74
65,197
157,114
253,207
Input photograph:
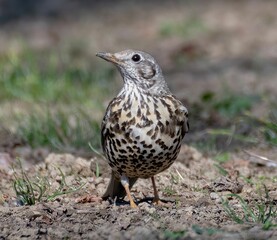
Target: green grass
223,157
267,125
60,130
262,211
51,78
174,235
30,191
220,117
169,190
63,188
60,98
229,104
231,135
227,122
204,231
220,169
215,140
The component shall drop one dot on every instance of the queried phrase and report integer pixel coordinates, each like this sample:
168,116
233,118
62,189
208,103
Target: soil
237,49
193,191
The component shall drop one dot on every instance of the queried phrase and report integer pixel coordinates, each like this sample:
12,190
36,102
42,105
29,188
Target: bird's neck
156,90
131,89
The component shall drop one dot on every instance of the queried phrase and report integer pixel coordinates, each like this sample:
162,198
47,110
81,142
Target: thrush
143,126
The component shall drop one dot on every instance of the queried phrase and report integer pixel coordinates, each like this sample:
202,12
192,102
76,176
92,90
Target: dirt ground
237,49
193,191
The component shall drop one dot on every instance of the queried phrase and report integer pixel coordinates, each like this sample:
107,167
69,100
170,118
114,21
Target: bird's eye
136,57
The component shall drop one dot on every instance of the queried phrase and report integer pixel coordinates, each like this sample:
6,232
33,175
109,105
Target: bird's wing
104,129
109,119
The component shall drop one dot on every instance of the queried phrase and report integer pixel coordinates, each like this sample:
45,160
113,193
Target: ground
193,191
219,58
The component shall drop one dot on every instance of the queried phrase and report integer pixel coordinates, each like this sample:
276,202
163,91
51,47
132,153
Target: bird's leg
156,199
125,183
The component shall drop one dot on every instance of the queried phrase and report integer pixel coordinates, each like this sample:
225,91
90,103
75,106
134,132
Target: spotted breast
142,133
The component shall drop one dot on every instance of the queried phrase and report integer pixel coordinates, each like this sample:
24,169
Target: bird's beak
108,57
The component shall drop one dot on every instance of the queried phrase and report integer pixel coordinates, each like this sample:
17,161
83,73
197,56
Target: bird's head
139,68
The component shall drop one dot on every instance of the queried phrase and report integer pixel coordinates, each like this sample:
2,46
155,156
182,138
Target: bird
143,127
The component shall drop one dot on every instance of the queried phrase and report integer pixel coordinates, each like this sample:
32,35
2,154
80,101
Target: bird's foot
133,205
125,183
158,202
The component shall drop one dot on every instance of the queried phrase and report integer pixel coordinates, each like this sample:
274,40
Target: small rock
66,200
34,214
98,180
145,206
42,231
214,196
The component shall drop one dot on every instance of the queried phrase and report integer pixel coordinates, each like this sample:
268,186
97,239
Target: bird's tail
115,188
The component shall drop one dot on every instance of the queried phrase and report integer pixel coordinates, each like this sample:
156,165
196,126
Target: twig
268,162
179,174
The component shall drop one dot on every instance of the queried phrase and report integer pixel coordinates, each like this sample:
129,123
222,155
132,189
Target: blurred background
218,57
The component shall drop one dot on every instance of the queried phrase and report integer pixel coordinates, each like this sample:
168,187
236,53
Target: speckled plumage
143,126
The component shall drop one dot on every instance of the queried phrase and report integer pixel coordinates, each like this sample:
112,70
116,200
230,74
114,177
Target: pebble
147,208
214,196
